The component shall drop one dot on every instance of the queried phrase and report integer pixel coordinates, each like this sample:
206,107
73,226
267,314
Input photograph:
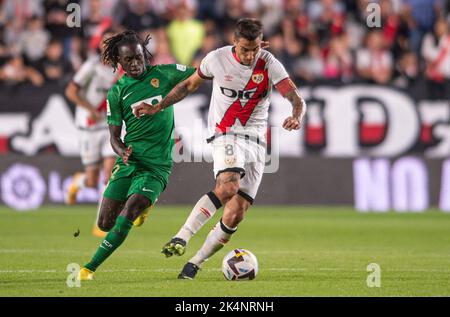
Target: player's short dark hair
110,54
249,29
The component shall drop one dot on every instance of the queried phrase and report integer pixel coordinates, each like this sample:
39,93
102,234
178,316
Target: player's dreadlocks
110,54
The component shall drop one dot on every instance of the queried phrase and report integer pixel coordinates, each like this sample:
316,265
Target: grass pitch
301,252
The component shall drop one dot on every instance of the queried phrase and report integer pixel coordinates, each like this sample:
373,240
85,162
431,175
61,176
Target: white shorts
94,146
235,153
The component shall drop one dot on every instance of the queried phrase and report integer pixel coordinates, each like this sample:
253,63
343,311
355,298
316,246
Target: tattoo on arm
298,104
178,93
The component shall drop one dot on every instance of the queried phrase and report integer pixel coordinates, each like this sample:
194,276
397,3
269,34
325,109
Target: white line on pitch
218,270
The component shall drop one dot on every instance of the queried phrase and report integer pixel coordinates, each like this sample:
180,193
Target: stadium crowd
317,40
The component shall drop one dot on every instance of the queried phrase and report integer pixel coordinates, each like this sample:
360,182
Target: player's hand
265,44
126,154
146,109
291,123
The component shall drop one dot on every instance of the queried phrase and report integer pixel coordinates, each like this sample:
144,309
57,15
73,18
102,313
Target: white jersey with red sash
238,112
240,96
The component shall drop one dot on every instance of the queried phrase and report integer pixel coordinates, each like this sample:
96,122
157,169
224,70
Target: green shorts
133,179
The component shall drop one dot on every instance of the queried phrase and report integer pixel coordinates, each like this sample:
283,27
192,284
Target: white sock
204,210
215,241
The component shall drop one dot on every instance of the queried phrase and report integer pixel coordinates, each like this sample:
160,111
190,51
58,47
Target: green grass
301,252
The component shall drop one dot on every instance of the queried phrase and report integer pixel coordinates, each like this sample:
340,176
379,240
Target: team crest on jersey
155,82
230,159
258,78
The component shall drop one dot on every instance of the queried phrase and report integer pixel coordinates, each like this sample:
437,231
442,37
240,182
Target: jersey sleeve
205,70
84,74
179,72
113,109
277,72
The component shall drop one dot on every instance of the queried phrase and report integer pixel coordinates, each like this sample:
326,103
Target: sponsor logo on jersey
228,78
155,82
258,78
241,94
181,68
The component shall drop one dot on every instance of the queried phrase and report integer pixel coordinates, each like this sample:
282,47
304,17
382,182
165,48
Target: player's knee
226,191
104,225
136,205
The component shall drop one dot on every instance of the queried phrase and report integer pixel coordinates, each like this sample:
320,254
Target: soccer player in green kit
142,170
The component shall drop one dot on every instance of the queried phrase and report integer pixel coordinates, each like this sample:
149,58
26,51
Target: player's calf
216,239
235,210
203,210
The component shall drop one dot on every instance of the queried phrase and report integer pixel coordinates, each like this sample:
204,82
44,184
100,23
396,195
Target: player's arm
289,91
115,119
117,144
178,93
73,89
73,94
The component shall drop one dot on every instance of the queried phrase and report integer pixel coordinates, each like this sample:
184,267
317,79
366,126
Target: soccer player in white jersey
243,76
88,91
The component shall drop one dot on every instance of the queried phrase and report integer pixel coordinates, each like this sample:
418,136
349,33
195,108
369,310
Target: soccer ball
240,264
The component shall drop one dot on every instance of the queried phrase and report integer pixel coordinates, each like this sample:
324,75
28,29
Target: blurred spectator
421,15
293,44
232,11
338,60
271,15
76,56
4,50
54,66
390,22
185,33
210,43
373,62
328,17
15,72
277,48
94,25
314,39
436,52
108,8
208,10
20,11
161,52
56,15
310,67
407,70
140,16
33,41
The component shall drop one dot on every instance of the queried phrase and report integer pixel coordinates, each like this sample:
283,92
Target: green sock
111,242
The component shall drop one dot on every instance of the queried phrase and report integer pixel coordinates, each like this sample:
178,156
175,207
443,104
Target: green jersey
151,137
